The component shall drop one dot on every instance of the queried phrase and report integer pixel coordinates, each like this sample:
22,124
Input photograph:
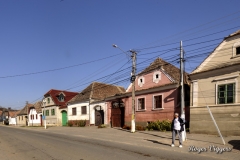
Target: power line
57,69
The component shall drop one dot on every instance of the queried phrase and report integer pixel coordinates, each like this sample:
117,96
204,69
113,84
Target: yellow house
216,83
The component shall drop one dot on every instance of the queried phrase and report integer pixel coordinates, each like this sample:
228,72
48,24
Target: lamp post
133,77
45,121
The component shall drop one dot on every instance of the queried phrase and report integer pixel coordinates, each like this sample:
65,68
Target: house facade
35,115
22,116
216,83
90,103
157,96
54,106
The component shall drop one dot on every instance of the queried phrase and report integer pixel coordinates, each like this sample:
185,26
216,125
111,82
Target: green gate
64,118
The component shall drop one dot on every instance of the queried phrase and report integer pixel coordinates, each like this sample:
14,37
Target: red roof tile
55,93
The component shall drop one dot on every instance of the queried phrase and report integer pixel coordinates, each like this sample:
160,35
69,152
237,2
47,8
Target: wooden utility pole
133,125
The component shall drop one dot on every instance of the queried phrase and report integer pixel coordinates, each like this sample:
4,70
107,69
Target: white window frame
153,102
144,104
140,84
224,83
156,80
235,46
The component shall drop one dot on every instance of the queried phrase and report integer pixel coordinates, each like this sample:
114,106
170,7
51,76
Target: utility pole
27,112
182,89
133,89
133,77
44,113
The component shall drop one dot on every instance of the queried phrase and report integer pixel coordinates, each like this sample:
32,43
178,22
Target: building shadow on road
157,142
155,135
235,144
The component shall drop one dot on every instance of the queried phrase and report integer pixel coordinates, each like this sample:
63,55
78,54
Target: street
74,143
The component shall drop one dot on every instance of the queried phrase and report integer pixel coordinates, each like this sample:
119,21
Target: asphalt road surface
17,143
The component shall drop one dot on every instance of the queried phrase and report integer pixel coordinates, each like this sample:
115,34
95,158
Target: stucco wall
79,116
36,121
52,119
227,118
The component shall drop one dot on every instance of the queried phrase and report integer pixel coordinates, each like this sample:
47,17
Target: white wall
103,107
79,116
36,120
12,121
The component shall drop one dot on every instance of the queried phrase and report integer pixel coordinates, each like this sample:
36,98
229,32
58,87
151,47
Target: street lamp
45,121
133,77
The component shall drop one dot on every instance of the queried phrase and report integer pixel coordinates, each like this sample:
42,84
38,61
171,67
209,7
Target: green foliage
164,125
102,126
81,123
78,123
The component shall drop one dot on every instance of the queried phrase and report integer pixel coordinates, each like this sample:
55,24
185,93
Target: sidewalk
156,140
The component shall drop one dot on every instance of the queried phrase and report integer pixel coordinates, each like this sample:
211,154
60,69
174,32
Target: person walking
177,128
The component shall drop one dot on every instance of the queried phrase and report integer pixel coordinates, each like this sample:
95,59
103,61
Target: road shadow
157,142
167,137
235,144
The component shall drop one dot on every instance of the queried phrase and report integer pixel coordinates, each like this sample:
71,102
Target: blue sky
45,35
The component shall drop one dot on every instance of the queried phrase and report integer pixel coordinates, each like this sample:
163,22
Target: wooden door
117,117
64,118
99,117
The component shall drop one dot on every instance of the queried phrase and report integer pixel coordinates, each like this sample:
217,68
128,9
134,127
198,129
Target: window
36,116
156,76
237,50
141,103
43,113
226,93
48,100
141,81
74,111
157,102
47,112
52,112
61,98
84,109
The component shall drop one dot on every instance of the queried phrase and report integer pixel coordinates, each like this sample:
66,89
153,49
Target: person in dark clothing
177,128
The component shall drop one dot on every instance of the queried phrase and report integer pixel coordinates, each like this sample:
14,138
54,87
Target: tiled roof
13,114
168,68
24,110
38,106
97,91
54,94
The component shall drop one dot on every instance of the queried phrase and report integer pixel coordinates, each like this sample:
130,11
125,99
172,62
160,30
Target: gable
97,91
225,54
149,80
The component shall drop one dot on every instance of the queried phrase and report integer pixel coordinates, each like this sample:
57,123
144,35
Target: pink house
157,96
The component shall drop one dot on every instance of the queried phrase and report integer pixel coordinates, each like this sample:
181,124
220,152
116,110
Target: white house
35,115
90,105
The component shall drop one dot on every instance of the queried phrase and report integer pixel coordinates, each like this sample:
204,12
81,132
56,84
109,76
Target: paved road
65,143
